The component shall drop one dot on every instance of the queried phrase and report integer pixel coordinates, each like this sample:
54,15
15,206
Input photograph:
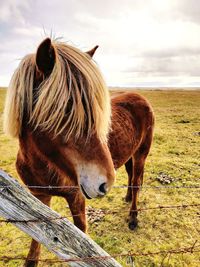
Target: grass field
175,154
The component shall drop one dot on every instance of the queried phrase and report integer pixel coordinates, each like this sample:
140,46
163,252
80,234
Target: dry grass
176,152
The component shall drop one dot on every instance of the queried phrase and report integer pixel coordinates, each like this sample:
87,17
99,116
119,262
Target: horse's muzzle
89,194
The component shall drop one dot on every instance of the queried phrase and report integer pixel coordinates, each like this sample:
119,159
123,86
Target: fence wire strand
51,187
114,211
192,249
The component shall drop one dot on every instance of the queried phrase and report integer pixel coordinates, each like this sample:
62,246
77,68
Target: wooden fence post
47,227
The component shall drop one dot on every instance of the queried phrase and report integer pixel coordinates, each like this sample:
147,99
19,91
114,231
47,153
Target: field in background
174,157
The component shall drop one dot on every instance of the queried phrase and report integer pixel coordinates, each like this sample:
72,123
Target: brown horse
58,106
70,150
130,141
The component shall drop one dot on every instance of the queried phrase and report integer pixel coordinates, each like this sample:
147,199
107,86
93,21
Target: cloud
13,10
188,10
168,66
139,40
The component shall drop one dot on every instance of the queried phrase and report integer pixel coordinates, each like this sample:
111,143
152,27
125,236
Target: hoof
128,198
31,263
133,223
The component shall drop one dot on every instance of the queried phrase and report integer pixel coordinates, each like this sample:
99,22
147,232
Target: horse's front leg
129,170
34,251
76,203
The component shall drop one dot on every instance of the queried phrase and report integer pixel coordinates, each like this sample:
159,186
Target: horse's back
132,124
132,101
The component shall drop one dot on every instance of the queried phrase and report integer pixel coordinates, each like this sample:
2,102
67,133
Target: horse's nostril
102,188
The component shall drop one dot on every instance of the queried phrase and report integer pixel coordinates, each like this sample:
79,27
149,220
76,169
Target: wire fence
113,211
194,248
50,187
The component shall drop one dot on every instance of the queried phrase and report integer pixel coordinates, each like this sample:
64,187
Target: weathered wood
59,235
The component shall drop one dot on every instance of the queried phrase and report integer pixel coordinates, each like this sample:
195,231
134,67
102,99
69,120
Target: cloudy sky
141,42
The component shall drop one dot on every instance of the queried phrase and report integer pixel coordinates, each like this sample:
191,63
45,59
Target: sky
154,43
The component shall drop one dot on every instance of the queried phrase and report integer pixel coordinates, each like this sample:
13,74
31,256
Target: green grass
176,152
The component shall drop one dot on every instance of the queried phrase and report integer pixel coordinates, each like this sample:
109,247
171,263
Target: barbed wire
160,207
192,249
50,187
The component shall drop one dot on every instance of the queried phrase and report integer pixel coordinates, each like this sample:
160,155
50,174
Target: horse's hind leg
138,171
129,170
34,251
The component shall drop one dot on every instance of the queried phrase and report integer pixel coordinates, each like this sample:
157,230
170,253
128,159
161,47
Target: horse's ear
45,57
92,51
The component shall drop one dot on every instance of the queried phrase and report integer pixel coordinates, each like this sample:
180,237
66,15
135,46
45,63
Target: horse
58,106
77,154
130,141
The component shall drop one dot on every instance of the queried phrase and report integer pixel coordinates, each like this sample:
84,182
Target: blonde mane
72,101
